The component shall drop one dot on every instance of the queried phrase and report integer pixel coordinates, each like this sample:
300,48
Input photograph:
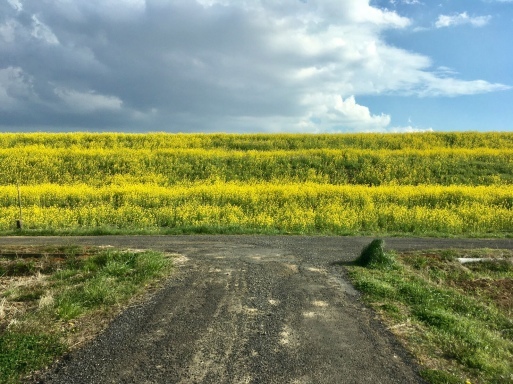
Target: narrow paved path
247,309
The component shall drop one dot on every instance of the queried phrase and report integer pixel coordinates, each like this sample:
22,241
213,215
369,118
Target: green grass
56,309
457,320
23,352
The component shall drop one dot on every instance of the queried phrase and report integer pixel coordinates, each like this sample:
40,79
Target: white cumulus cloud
88,101
356,115
333,113
460,19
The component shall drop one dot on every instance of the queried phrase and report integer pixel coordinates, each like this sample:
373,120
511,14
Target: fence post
19,222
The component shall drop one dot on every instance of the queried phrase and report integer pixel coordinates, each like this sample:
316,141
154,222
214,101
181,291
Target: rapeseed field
424,184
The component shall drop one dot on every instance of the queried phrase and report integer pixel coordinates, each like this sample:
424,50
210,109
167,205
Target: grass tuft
374,256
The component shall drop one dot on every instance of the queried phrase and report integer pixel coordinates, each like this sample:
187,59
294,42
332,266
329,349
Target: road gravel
247,309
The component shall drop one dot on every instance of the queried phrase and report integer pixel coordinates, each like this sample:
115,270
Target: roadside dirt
247,309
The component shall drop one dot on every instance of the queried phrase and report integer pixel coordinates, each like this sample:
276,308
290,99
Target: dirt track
247,309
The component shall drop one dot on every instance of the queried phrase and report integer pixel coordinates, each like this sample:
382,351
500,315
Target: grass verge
53,299
456,319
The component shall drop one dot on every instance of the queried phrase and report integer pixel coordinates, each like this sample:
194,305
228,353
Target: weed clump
374,256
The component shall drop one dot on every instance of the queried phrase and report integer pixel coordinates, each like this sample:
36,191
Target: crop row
261,142
166,167
298,208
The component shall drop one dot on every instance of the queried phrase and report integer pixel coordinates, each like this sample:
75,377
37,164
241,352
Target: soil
499,291
246,309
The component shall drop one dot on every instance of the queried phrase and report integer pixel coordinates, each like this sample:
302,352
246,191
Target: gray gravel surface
246,309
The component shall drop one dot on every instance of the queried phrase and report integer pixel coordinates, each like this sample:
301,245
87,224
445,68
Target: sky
251,66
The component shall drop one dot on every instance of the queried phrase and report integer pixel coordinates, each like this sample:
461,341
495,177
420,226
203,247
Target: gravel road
247,309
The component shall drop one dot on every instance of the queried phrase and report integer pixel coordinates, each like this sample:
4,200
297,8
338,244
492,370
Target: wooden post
19,222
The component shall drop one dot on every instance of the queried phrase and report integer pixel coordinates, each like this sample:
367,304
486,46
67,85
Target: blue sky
472,40
256,65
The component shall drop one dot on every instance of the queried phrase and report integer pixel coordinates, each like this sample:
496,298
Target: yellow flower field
280,184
